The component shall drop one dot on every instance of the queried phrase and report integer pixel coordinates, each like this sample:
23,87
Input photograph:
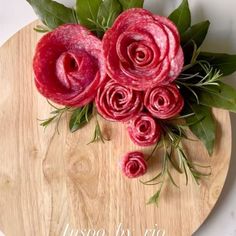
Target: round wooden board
48,180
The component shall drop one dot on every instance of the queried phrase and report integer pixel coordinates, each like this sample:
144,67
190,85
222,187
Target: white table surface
15,14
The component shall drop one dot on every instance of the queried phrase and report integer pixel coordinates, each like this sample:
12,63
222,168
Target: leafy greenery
53,13
202,125
182,17
161,177
126,4
207,76
156,197
222,96
224,62
192,39
57,114
80,117
87,12
41,29
107,13
98,136
196,33
183,165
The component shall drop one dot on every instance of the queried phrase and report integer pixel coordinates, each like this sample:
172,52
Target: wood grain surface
48,181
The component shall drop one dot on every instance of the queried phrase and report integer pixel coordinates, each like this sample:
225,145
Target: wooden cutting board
50,182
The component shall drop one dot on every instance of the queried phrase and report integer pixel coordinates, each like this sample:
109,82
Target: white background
14,14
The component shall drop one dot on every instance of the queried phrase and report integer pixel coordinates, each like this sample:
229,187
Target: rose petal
144,130
116,102
69,65
134,165
164,102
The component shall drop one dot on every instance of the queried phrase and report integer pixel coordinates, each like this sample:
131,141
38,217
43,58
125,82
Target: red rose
144,130
69,65
164,102
116,102
143,50
134,165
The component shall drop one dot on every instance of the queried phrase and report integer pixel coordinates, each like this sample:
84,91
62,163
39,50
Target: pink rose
143,50
164,102
144,130
116,102
69,65
134,165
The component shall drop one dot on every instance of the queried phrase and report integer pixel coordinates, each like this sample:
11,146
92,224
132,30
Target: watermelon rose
69,65
164,102
134,165
116,102
143,50
144,130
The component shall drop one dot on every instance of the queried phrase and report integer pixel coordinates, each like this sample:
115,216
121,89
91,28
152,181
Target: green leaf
196,33
80,117
182,17
155,198
224,62
46,122
204,125
222,96
87,12
127,4
41,29
108,12
53,13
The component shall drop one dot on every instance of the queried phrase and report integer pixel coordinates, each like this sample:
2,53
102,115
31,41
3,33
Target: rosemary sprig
211,77
57,115
185,164
172,148
98,135
157,146
161,177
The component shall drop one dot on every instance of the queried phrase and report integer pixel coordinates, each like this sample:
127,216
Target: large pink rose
144,130
69,65
116,102
164,102
143,50
134,165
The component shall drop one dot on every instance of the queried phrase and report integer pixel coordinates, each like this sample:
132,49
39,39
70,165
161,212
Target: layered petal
164,102
116,102
69,65
144,130
143,50
134,165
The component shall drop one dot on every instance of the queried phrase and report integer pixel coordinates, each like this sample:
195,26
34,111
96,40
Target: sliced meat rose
143,50
134,165
116,102
69,65
164,102
144,130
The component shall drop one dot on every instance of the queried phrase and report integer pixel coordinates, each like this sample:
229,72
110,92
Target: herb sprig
171,144
57,114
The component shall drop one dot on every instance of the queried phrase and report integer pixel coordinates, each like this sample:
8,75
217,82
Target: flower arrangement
116,59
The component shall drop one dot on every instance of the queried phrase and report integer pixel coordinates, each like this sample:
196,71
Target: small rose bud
134,164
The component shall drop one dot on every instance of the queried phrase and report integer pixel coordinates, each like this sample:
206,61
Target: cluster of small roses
130,74
143,57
